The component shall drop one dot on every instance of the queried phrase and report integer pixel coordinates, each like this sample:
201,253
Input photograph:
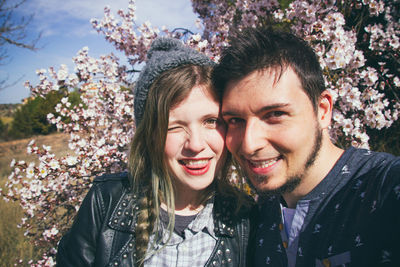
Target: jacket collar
125,214
223,217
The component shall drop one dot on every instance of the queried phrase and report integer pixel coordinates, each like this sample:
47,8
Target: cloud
172,15
72,17
76,9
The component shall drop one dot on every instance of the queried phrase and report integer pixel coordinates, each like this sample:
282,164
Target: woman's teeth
194,163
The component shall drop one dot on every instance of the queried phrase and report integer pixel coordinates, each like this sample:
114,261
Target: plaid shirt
192,250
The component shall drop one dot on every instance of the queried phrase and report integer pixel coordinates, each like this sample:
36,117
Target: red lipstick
197,169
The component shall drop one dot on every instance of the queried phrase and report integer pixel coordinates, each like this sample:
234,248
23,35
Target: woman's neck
191,203
185,210
189,210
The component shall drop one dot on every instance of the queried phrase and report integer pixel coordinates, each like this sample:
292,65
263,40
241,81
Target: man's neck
327,158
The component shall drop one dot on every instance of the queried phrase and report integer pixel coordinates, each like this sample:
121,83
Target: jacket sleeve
78,247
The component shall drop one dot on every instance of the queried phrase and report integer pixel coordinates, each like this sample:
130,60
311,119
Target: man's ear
325,107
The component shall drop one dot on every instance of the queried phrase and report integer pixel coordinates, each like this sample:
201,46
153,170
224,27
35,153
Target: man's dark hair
264,48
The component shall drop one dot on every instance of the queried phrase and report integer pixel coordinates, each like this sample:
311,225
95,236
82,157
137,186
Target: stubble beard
293,181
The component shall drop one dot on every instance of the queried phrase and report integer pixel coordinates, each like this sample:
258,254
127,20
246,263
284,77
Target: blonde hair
148,168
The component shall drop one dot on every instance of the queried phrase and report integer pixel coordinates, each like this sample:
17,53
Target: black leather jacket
103,233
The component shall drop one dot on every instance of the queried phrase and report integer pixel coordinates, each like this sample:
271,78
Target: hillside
17,150
13,243
7,110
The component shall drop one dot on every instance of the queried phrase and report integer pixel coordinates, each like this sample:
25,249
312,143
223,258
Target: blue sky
65,27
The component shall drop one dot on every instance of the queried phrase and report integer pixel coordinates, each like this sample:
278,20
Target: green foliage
386,140
31,118
284,3
3,126
3,130
74,98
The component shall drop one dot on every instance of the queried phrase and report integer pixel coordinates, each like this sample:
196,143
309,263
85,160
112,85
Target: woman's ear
325,107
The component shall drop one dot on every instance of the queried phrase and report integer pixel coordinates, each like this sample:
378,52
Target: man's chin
287,187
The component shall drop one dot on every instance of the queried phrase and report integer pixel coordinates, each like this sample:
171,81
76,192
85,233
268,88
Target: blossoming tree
357,42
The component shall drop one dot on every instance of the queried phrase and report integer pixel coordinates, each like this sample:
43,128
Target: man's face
273,129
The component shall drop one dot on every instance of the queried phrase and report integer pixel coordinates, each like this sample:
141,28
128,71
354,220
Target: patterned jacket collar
124,216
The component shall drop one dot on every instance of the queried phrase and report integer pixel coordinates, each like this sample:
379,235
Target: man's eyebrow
233,112
273,106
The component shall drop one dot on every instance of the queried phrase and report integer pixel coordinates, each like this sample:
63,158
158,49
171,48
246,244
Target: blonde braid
145,226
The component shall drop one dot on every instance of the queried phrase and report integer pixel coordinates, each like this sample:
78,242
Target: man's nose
254,137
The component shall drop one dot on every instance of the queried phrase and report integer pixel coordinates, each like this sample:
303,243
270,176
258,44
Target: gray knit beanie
165,53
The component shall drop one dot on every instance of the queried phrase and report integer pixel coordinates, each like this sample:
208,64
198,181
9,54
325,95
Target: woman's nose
195,141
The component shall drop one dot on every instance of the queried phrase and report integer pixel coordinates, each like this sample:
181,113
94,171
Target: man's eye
278,113
274,117
275,114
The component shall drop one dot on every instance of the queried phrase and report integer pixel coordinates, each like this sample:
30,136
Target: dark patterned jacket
103,233
352,217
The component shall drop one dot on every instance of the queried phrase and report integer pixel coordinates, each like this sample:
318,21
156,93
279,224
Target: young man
319,205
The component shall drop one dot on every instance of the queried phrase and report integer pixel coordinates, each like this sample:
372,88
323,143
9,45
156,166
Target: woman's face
195,145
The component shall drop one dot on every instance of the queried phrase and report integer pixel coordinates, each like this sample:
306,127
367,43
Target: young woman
175,207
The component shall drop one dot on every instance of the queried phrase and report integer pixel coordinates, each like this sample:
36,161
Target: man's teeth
263,164
194,162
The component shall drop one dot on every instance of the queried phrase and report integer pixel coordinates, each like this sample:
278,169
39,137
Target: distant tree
3,130
31,118
13,31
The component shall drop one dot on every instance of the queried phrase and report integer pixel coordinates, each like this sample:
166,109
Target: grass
13,244
17,150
